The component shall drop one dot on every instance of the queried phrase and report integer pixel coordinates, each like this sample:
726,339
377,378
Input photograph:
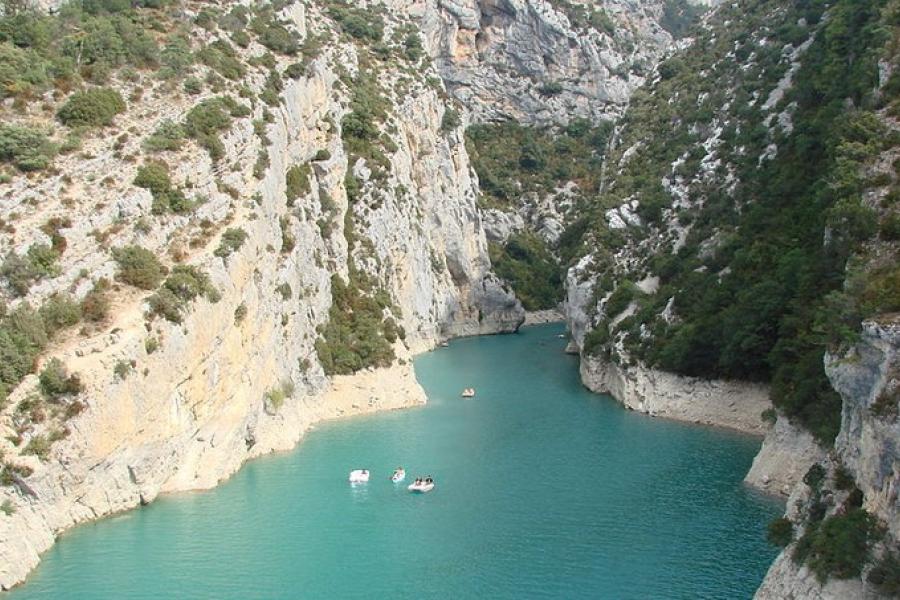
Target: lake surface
544,490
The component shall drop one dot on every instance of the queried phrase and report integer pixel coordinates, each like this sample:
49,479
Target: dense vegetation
534,273
512,159
357,334
758,294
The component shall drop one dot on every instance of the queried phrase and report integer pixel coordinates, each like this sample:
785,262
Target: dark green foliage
222,58
23,336
551,88
82,40
296,182
168,136
885,574
889,230
527,264
679,16
138,267
154,176
356,334
26,148
621,297
780,532
93,108
362,24
21,272
511,159
360,127
185,284
232,240
56,381
206,120
277,38
450,120
839,546
760,305
58,312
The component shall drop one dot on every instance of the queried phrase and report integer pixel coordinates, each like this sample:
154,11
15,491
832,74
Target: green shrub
295,70
297,182
284,290
450,120
182,286
839,546
22,271
780,532
551,88
275,397
885,574
232,240
25,147
154,176
58,312
168,136
222,58
354,336
277,38
889,230
39,446
322,154
56,382
7,508
530,268
138,267
360,23
240,313
122,369
206,120
151,345
93,107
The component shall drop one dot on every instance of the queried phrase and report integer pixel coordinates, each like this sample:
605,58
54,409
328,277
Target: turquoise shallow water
543,491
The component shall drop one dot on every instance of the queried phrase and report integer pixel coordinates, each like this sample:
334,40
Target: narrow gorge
224,223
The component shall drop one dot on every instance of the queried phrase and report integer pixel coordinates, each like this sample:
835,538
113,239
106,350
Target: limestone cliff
180,404
541,61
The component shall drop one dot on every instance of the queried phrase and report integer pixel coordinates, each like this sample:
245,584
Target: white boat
359,476
421,486
445,344
468,393
399,475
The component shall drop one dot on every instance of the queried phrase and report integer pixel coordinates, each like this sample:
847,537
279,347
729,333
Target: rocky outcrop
868,380
537,62
731,404
785,580
787,453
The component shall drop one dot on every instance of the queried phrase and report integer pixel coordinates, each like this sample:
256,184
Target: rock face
786,455
868,380
535,62
735,405
198,403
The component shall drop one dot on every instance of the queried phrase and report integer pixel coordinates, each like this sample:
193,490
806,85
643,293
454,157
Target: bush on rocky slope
751,202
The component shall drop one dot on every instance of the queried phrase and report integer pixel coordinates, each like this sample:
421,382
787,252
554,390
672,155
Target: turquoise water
543,491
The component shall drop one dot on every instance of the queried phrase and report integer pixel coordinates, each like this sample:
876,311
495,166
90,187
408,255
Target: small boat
445,344
468,393
359,476
421,486
399,475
